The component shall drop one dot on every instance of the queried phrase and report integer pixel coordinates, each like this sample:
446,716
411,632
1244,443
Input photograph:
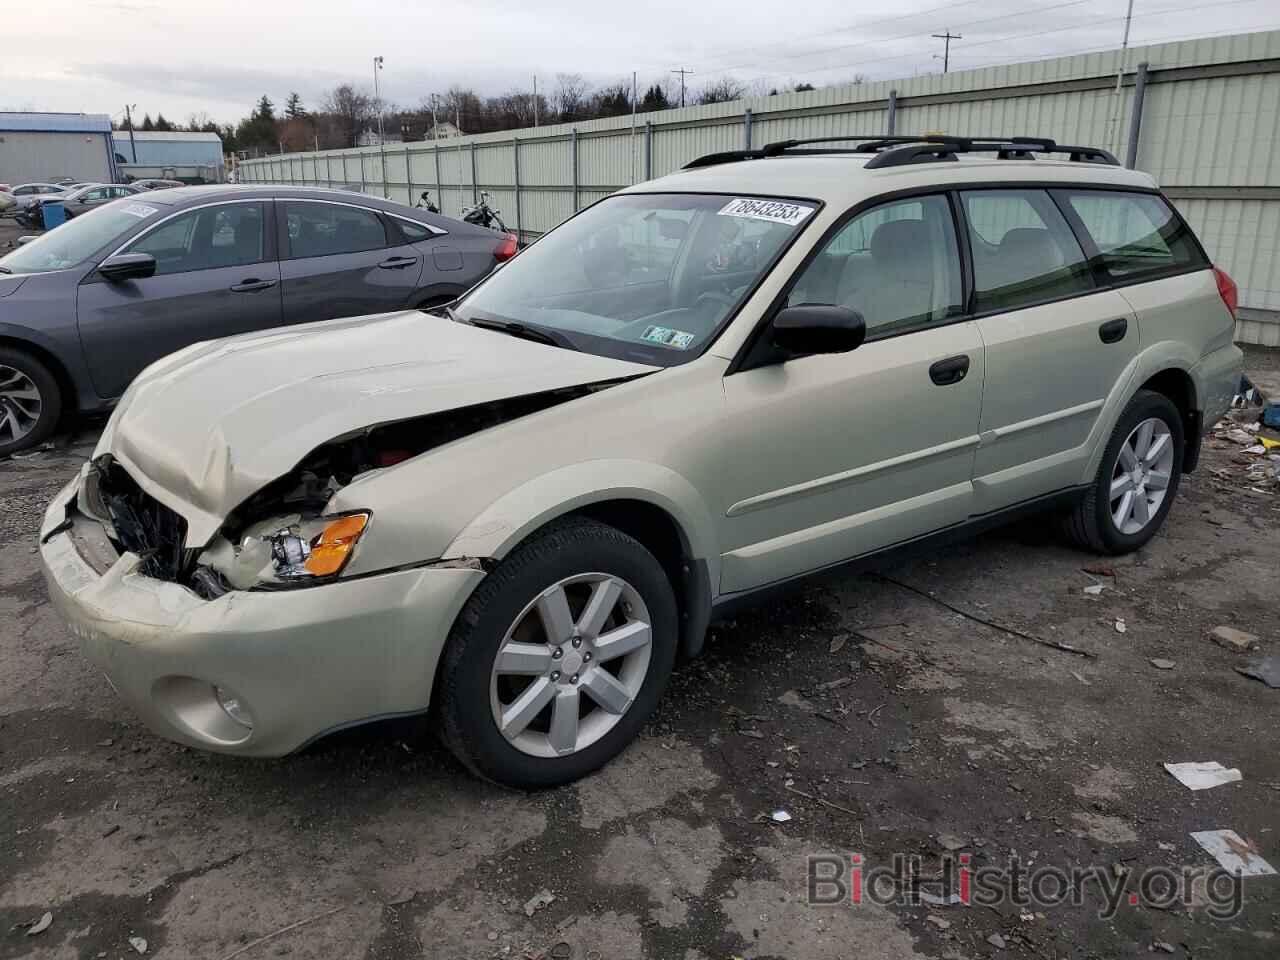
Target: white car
519,512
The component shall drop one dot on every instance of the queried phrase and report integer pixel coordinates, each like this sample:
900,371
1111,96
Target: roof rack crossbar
899,150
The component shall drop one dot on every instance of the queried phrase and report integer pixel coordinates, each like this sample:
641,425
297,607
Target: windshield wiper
517,329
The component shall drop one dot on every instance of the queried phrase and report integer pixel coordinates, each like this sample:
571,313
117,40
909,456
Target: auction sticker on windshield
139,210
668,337
774,211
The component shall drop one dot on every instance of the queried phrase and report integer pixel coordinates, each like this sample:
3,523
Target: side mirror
818,328
128,266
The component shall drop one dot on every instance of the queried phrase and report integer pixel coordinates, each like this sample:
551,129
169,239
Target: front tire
1137,479
30,401
559,657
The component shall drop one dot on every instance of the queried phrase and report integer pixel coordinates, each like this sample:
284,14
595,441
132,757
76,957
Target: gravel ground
878,711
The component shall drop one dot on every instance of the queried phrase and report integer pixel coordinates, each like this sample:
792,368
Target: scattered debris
402,897
1233,854
110,830
1012,631
1267,670
835,684
239,951
950,900
838,642
793,699
106,743
1271,415
41,925
543,898
1120,627
1233,639
1080,677
780,816
951,842
753,734
997,941
1247,394
1162,664
1161,946
825,803
938,922
139,944
1101,570
1202,776
1094,589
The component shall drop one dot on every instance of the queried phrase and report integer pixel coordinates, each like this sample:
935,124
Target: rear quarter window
1136,234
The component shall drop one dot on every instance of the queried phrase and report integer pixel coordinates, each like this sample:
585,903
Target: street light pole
382,140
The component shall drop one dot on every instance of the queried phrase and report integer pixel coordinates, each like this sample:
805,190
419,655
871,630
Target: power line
946,50
682,72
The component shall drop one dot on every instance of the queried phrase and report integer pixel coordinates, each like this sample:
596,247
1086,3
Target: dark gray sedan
86,306
82,199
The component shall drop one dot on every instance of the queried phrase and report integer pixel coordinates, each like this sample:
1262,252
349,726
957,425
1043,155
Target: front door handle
1113,331
398,263
949,371
248,286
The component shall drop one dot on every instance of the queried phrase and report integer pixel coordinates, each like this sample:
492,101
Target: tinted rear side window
325,229
1135,233
1023,250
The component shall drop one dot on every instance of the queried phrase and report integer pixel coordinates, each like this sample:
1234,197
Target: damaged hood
204,428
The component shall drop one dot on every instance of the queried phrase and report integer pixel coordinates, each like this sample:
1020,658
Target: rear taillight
507,249
1227,290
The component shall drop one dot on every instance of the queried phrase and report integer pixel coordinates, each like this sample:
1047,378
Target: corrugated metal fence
1203,116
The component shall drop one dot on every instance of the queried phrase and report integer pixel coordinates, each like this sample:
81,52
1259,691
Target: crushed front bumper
299,662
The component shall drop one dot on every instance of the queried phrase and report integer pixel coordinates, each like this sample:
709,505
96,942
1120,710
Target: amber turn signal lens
335,543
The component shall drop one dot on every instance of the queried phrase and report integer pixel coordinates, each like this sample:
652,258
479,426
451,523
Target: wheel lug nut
555,674
557,653
577,641
586,658
574,678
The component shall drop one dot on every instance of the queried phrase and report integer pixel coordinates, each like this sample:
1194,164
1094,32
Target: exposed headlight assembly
316,548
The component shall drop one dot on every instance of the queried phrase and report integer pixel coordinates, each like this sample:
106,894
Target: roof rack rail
901,150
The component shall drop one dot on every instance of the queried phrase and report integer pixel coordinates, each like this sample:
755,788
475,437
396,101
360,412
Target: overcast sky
181,59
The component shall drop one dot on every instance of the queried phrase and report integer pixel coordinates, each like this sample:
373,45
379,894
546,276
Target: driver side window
897,264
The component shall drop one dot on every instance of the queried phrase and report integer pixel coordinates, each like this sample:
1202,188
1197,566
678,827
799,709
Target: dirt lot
881,719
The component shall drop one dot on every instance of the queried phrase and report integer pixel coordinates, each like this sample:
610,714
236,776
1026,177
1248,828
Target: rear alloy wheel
1136,481
559,657
30,403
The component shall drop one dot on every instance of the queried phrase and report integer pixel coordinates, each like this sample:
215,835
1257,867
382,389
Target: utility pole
128,118
682,73
1121,57
946,50
382,140
535,99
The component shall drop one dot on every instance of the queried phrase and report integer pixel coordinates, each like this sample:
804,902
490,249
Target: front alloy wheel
559,656
571,665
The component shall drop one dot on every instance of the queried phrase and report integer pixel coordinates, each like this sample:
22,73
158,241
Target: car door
1056,345
88,200
340,260
830,457
216,275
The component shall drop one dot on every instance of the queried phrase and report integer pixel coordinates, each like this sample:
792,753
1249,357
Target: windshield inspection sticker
139,210
775,211
668,337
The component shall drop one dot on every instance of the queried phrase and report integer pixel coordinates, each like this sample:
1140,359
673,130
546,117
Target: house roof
56,122
167,135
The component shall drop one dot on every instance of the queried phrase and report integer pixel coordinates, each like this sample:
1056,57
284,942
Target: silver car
521,511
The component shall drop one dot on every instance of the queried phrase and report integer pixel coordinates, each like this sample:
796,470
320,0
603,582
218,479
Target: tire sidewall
50,396
1144,406
470,666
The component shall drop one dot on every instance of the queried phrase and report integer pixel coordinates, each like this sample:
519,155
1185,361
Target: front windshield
77,240
644,277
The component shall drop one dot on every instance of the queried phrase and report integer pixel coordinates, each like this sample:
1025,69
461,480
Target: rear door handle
248,286
1113,331
949,371
398,263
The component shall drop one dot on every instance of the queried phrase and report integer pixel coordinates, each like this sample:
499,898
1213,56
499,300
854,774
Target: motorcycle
483,215
424,203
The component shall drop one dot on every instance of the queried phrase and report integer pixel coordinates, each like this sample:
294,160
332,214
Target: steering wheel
713,296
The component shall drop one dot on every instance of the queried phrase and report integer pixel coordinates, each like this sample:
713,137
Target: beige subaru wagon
519,512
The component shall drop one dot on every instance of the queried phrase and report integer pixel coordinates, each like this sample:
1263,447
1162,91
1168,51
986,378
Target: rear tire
501,652
30,401
1136,482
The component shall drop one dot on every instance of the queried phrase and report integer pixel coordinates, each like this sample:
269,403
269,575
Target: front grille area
143,525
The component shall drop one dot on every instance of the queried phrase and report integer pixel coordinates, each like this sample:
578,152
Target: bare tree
352,110
570,96
722,90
